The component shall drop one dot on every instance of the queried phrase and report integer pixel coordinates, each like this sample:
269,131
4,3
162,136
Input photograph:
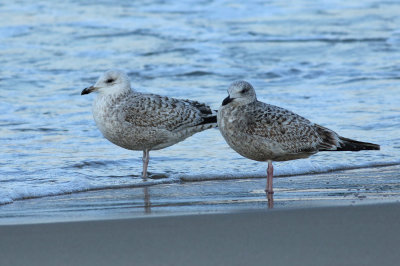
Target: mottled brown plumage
265,132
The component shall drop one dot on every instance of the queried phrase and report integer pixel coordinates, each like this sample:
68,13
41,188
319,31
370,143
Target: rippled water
336,63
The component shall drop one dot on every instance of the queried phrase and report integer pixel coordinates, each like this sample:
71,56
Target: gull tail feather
331,141
354,145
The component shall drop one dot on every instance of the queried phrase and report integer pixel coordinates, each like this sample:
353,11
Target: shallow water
338,64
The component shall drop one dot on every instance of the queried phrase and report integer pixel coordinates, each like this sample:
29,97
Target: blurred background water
335,62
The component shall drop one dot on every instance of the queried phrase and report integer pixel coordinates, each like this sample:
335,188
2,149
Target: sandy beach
362,235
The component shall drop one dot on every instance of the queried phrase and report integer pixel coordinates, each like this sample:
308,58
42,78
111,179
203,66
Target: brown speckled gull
138,121
265,132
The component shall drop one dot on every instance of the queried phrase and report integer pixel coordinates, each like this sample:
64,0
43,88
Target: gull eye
244,90
109,80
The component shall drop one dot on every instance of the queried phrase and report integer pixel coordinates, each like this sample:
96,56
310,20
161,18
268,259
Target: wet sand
351,235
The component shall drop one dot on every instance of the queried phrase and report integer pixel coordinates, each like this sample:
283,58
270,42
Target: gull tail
209,120
354,145
331,141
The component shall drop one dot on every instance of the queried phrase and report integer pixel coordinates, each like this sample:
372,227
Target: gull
266,133
139,121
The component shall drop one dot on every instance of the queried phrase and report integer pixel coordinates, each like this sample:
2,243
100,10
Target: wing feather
292,132
150,110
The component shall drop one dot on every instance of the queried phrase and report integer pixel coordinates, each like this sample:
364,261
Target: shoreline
344,188
188,179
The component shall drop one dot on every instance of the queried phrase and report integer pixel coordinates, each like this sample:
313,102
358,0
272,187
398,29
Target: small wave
118,34
138,32
89,164
269,75
305,40
366,79
72,188
7,124
196,73
40,129
162,52
312,169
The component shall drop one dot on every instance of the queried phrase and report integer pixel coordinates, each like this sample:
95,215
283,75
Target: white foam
294,168
74,186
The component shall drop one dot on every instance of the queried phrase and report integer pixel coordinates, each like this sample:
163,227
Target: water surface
336,63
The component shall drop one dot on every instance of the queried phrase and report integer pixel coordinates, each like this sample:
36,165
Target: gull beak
227,100
88,90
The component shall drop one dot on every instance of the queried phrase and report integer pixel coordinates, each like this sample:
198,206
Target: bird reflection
147,204
270,198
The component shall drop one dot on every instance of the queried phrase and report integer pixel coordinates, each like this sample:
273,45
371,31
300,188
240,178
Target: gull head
111,82
240,92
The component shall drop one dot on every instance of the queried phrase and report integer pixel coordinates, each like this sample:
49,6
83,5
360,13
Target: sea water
336,63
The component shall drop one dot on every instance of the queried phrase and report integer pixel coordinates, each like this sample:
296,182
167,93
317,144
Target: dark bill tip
87,90
227,100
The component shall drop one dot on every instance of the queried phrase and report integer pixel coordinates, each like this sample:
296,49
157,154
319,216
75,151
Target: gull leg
270,174
269,190
145,160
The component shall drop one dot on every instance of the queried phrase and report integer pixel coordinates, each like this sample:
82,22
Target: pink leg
270,174
269,189
145,159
